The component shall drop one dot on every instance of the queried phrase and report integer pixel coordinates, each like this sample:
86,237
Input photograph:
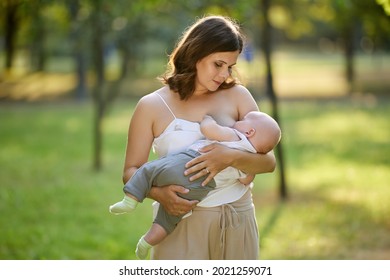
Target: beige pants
227,232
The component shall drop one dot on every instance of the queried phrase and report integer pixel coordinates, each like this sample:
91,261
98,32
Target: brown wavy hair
208,35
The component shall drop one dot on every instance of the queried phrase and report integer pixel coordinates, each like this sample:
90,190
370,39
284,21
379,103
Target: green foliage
55,207
46,26
386,5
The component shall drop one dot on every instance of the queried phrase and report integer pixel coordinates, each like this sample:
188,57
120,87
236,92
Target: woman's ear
250,133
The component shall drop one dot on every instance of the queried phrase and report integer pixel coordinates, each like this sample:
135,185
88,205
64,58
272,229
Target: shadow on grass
272,219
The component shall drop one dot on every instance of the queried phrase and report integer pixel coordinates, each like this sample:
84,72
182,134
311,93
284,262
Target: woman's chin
213,89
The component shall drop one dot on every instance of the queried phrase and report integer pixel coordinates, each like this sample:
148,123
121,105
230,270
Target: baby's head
261,130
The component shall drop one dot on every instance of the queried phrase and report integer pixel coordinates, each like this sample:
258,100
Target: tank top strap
166,105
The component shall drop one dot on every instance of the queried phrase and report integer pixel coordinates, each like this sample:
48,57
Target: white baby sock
127,205
142,248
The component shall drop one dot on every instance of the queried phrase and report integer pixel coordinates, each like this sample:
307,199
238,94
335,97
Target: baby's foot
125,206
143,248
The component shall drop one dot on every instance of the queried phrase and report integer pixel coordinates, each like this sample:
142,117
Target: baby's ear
250,133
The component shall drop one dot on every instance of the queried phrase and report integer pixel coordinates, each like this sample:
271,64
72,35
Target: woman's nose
225,74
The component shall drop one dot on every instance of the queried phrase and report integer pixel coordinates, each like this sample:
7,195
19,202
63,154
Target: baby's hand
208,119
207,123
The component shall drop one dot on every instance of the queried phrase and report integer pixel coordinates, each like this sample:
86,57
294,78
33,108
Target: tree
104,92
352,19
11,24
266,44
78,41
386,5
344,21
37,33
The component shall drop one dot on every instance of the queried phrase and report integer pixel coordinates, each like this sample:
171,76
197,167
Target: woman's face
213,70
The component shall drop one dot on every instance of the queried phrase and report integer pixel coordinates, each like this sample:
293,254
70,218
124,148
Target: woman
198,83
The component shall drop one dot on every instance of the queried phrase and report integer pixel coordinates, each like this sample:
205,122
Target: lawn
338,176
54,206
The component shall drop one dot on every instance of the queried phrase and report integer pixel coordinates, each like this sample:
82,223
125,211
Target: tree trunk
266,46
11,27
37,49
104,93
98,60
98,130
78,51
349,49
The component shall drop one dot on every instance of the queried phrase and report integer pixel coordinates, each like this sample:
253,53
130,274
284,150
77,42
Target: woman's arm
217,157
139,138
139,141
247,180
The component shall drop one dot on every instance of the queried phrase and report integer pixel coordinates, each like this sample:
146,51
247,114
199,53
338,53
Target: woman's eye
230,69
218,65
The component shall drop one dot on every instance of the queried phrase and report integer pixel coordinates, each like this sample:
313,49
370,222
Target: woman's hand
214,158
168,197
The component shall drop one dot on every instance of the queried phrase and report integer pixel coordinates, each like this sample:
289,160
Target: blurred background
71,72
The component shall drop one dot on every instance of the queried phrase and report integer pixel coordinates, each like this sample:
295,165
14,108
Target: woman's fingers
208,179
178,205
201,167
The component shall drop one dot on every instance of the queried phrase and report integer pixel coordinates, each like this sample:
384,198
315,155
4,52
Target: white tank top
178,136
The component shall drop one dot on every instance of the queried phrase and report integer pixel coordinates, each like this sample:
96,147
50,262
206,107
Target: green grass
338,176
308,73
54,206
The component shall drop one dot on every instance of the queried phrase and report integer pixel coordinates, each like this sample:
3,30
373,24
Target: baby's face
243,125
247,123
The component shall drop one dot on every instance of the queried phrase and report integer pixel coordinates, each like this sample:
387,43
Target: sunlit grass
297,73
36,86
309,73
338,174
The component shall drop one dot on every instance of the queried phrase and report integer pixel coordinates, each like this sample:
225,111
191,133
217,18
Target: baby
257,132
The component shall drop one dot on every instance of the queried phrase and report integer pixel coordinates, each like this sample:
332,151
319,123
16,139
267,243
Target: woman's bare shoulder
240,89
245,101
152,100
239,92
